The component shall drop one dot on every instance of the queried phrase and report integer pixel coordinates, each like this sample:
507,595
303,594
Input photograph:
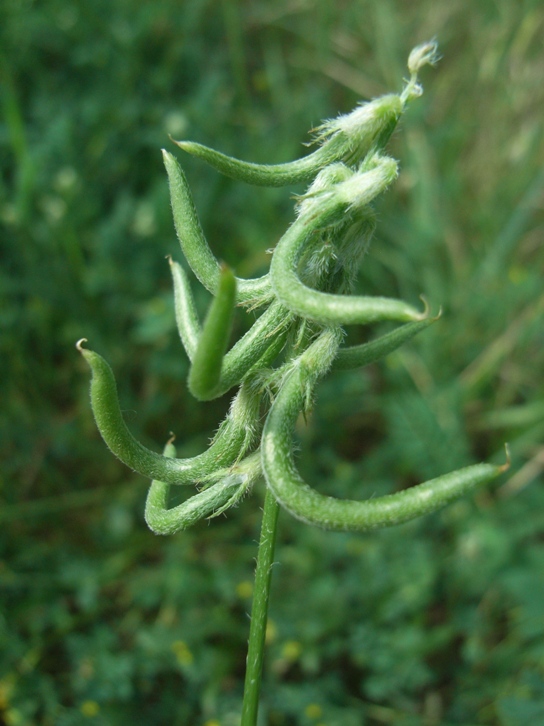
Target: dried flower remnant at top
296,340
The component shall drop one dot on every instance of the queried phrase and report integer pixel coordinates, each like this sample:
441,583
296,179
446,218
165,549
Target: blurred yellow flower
244,589
182,652
90,708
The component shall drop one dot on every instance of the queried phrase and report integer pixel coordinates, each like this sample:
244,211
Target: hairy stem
259,611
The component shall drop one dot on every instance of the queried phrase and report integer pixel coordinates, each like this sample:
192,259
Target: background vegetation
439,621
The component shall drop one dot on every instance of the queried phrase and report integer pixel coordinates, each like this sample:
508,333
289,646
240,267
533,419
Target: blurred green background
439,621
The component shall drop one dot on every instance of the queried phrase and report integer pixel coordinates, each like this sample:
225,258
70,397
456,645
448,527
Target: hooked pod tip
508,462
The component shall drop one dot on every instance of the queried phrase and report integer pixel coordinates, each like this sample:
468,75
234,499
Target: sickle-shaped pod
234,437
347,138
226,491
194,245
327,203
306,504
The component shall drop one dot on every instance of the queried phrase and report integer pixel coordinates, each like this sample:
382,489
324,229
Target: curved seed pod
253,349
328,309
357,356
230,443
265,175
208,359
162,520
190,235
324,511
186,316
314,355
259,346
347,138
318,209
193,242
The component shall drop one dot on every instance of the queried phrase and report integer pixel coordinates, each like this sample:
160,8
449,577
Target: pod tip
508,461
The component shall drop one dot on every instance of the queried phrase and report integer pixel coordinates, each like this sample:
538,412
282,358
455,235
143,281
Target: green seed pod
357,356
230,443
307,294
193,242
328,512
257,348
162,520
347,138
186,317
208,359
327,204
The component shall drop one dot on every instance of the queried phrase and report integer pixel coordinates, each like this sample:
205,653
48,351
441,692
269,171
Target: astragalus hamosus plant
297,340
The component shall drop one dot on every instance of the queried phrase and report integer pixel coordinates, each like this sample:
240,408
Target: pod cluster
306,302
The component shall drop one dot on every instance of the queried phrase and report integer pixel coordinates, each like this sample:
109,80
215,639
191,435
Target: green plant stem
259,611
